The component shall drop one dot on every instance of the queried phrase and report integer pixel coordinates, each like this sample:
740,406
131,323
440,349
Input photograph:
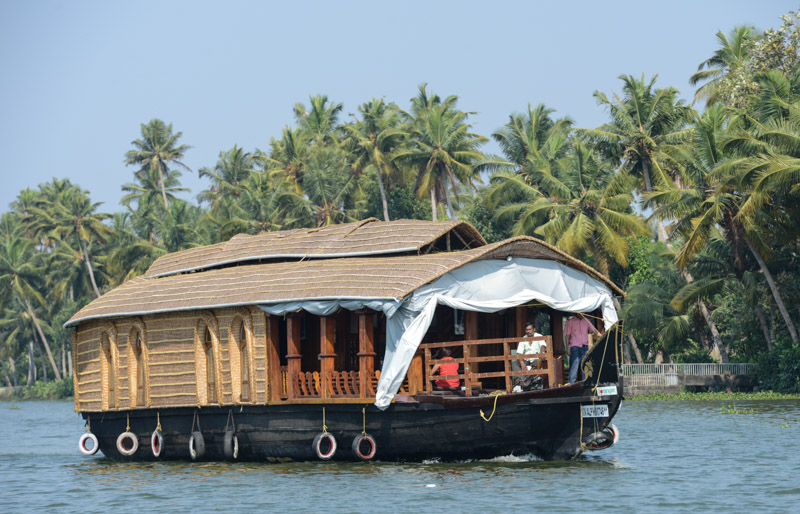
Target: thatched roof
378,277
364,238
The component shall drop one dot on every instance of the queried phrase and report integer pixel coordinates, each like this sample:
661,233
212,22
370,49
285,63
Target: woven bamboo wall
172,356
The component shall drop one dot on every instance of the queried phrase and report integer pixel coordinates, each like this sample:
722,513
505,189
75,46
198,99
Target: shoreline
712,396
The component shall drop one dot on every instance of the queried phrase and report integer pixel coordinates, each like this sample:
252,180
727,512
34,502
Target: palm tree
232,169
287,158
587,212
332,190
177,228
722,197
155,151
377,136
444,153
149,186
20,277
320,121
730,57
646,126
71,219
533,141
129,255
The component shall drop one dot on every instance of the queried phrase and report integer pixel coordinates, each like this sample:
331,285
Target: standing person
577,330
448,366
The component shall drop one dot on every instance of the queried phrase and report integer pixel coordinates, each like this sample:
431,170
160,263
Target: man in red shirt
577,331
448,366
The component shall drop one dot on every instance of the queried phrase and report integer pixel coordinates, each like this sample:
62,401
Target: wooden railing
341,384
733,368
549,373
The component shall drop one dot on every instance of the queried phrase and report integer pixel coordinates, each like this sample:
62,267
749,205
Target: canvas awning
482,286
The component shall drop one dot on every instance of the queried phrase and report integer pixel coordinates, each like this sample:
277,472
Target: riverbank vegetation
690,206
718,395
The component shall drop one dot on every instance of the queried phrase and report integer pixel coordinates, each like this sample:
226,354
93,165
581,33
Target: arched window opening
208,349
108,370
245,360
140,378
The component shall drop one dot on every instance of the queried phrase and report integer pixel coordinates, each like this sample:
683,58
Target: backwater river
672,457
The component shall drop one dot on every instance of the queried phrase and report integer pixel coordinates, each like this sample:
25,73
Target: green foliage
401,200
54,390
715,396
481,217
733,409
779,370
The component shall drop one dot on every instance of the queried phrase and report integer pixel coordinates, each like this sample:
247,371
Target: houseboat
322,344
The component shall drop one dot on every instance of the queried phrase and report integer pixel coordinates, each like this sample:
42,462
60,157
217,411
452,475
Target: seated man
449,366
525,348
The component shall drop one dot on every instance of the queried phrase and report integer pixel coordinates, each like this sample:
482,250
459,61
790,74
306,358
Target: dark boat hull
549,424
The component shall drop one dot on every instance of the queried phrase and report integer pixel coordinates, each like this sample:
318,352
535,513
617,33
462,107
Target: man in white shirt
528,347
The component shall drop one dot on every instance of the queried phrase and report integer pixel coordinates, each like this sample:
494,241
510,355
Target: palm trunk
69,363
85,249
450,210
61,353
43,339
631,340
661,232
718,350
773,287
45,377
8,378
163,190
13,366
762,320
383,195
31,364
433,204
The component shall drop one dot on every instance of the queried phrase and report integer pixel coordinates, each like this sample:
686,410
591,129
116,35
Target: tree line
691,207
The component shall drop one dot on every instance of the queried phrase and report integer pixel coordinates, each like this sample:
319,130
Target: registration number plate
594,411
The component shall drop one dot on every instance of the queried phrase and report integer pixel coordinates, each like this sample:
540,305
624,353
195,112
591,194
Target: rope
324,426
158,421
496,394
230,421
88,423
364,415
128,424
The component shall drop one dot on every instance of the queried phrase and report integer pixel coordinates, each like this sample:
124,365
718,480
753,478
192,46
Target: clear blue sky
79,77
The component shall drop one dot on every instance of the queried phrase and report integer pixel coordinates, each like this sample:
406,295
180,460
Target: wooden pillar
366,352
293,356
274,378
521,315
327,334
415,373
557,332
471,334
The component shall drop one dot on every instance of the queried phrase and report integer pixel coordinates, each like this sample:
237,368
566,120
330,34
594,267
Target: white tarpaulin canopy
482,286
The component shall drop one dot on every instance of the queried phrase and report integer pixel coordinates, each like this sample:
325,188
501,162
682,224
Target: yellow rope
158,422
364,414
496,394
324,426
89,424
128,424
